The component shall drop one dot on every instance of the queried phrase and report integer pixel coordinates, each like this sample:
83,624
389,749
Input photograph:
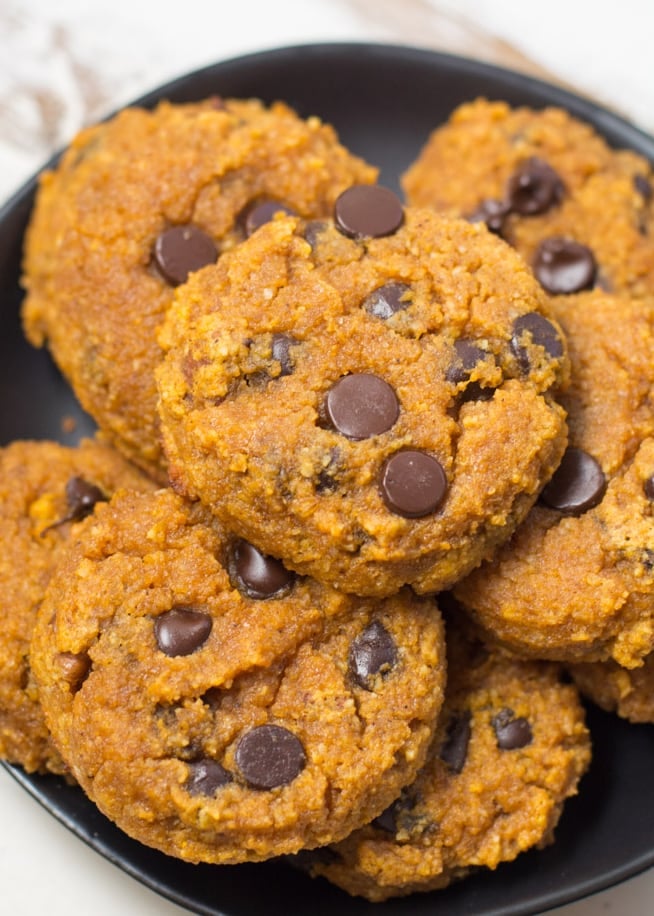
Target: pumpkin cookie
135,205
629,692
576,582
581,213
45,490
510,748
216,706
371,399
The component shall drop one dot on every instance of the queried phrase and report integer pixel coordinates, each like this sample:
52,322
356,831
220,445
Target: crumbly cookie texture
511,747
576,582
135,205
370,399
629,692
216,706
46,489
580,212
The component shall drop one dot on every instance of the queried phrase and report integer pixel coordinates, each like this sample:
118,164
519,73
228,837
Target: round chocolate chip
648,487
366,210
206,776
511,733
454,749
492,212
256,574
182,630
281,346
269,756
260,212
361,405
182,249
534,328
413,484
578,483
75,668
388,299
372,652
644,187
534,188
466,356
82,497
563,266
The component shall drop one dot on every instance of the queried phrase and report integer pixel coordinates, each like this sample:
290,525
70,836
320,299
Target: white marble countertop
68,63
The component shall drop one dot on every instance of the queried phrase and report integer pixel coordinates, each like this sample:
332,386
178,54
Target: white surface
66,63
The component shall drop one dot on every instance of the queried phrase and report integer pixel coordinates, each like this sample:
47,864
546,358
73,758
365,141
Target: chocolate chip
386,300
260,212
534,188
533,328
182,249
256,574
366,210
326,480
182,630
644,187
454,749
75,668
648,487
313,230
372,652
387,820
82,497
563,266
466,356
493,213
206,776
281,346
413,484
578,483
269,756
511,733
361,405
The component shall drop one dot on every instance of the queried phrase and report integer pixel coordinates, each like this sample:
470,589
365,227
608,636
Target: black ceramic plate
383,100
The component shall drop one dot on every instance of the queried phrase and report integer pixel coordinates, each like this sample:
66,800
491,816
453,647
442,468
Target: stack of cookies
371,479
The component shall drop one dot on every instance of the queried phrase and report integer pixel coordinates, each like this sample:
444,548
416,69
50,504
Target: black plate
384,100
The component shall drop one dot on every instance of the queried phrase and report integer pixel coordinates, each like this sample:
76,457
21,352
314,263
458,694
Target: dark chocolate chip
256,574
578,483
361,405
413,483
534,188
82,497
182,249
563,266
260,212
281,346
512,733
182,630
326,480
372,652
466,356
644,187
387,820
534,328
648,487
75,668
388,299
493,213
269,756
366,210
206,776
454,749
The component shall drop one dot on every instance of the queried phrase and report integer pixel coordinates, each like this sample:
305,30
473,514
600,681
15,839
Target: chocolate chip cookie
369,398
511,747
581,213
629,692
45,491
576,582
134,206
215,705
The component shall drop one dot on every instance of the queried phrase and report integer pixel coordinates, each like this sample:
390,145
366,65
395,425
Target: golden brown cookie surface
216,706
629,692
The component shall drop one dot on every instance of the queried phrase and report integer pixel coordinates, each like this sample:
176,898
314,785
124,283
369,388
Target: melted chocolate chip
81,497
563,266
182,630
512,733
493,213
206,776
466,356
361,405
371,653
578,484
182,249
534,188
260,212
644,187
269,756
536,328
386,300
413,484
368,211
281,346
75,668
648,487
257,575
454,749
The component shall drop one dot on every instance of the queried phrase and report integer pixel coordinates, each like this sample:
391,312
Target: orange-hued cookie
371,399
629,692
45,491
137,203
216,706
